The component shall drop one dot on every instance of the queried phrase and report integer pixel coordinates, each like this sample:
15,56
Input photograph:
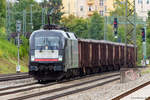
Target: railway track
9,77
57,89
131,91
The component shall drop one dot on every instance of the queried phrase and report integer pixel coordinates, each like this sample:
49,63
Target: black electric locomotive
47,53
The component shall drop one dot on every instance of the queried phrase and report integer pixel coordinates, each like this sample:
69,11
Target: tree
119,8
148,35
95,26
54,10
85,28
18,8
2,13
2,16
77,25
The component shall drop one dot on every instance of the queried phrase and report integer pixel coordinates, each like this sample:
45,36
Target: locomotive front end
46,55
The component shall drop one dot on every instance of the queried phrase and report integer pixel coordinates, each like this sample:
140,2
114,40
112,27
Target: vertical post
43,13
105,26
144,46
23,30
125,50
43,16
134,33
8,17
18,67
24,22
18,30
130,29
31,17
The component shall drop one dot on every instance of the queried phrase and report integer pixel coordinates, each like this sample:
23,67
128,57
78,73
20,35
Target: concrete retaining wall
129,74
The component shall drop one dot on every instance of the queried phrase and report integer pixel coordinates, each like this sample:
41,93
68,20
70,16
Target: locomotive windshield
52,42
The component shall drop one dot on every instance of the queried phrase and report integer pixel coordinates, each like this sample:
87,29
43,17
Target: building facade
85,8
142,8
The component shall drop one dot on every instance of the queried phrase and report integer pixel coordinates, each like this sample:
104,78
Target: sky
35,0
38,0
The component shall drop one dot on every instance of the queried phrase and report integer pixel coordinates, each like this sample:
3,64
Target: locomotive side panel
68,55
74,52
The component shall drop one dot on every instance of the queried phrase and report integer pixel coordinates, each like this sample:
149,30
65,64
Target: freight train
56,54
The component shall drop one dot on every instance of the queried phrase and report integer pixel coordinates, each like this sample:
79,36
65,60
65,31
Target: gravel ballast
108,91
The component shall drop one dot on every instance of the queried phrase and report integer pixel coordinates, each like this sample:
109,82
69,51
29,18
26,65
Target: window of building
81,8
147,2
101,12
90,8
96,7
101,2
140,1
105,8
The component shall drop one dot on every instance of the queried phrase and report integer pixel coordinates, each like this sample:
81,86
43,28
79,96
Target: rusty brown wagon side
96,55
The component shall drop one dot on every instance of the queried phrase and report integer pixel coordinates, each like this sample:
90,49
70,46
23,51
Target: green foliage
2,31
119,9
95,26
24,48
7,49
76,25
54,9
8,56
2,13
148,36
85,28
18,8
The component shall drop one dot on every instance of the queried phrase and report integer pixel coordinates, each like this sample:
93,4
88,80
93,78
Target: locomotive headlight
60,58
32,58
46,47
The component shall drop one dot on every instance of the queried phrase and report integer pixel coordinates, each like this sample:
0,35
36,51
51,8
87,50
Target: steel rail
63,88
79,90
131,91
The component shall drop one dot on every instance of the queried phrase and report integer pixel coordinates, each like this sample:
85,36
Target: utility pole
43,13
31,17
18,30
105,28
105,25
130,28
43,16
24,22
144,44
8,17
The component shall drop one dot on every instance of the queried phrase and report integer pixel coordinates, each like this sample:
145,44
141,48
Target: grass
146,70
8,58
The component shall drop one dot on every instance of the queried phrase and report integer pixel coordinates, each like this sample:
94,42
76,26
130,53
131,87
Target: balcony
90,2
90,13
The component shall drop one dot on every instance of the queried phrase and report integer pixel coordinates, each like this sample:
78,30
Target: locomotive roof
68,35
59,31
104,41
